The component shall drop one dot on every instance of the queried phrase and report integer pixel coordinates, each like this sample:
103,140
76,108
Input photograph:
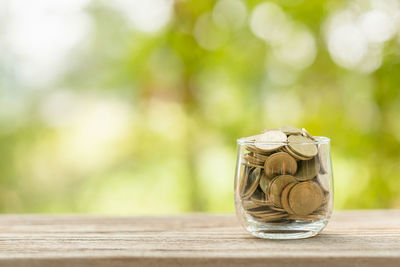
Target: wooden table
353,238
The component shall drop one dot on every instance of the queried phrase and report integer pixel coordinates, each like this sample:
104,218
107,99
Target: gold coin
276,187
248,139
261,209
327,197
280,163
259,197
307,134
254,149
308,169
323,157
264,182
250,158
305,197
302,145
259,156
270,140
304,218
264,211
277,209
289,130
248,205
259,166
321,210
295,155
244,174
284,198
270,215
252,182
272,218
324,181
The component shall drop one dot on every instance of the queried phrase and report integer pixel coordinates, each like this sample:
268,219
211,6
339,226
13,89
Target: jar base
293,230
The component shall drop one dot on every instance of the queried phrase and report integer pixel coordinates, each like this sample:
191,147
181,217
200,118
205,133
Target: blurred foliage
146,121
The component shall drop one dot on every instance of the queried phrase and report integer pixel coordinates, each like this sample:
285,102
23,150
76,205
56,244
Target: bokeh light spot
347,45
207,34
269,22
229,14
147,16
377,26
299,50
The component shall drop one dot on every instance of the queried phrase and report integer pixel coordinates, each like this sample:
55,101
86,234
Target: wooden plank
353,238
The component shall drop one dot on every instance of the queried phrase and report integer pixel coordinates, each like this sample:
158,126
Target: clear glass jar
284,190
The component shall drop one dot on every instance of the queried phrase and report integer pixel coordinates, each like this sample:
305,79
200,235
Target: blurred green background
134,107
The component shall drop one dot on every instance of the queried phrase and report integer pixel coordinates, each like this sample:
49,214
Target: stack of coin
284,176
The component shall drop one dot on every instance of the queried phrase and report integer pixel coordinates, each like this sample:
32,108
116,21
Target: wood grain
352,238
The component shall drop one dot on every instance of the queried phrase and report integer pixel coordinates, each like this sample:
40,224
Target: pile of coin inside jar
284,176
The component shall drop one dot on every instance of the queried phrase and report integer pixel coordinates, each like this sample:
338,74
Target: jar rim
318,140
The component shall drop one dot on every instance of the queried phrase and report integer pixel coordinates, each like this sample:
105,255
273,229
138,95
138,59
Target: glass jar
284,190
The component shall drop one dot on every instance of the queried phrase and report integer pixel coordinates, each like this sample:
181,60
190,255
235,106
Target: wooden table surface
352,238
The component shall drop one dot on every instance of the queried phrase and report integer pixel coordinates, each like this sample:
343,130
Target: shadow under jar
284,190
